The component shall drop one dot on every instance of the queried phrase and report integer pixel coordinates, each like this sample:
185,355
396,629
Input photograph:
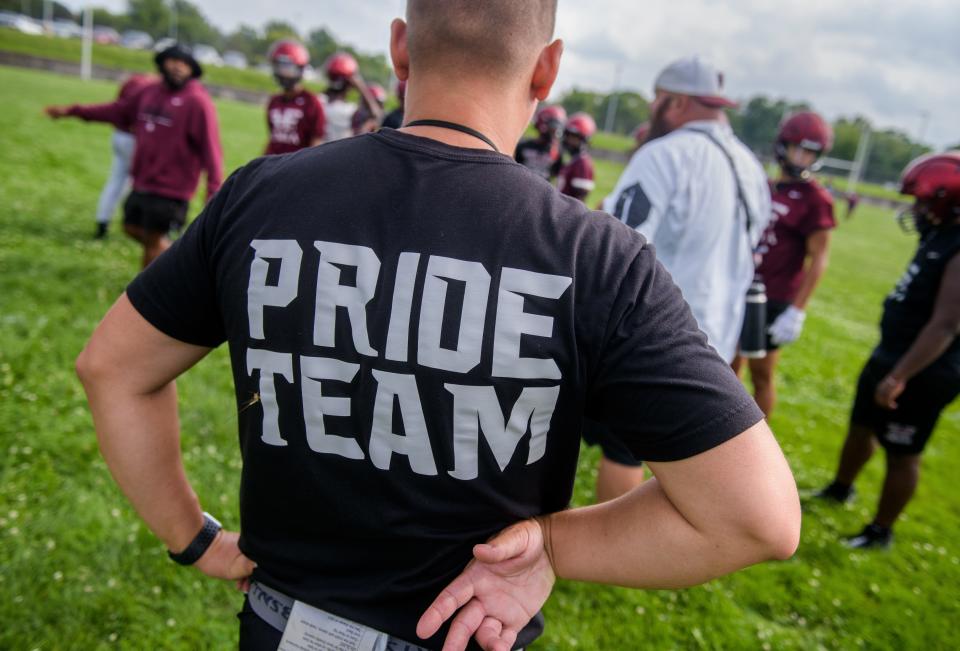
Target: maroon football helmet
289,51
288,59
550,120
340,66
581,124
934,181
805,129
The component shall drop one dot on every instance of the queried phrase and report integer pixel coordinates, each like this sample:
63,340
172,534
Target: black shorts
613,448
256,634
906,429
774,309
154,213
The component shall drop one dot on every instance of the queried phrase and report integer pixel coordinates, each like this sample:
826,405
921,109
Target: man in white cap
702,199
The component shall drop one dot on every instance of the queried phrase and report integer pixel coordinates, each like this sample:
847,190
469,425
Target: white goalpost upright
854,168
86,51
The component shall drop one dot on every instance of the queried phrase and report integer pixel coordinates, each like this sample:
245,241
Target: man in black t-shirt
415,344
914,373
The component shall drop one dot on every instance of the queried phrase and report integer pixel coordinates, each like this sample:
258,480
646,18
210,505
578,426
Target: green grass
79,571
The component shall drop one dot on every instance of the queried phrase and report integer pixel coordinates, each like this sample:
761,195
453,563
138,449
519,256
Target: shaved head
491,37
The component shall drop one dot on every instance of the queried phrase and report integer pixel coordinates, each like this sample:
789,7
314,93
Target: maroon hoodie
176,137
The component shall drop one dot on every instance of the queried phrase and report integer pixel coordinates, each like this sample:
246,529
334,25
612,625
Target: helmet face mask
549,122
918,218
287,74
794,163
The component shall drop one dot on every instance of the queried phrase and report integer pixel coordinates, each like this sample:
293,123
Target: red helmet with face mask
288,59
581,124
934,181
806,130
340,66
550,120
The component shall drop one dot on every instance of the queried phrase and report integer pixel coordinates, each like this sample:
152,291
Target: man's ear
398,49
546,70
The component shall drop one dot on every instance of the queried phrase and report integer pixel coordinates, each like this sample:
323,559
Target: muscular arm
940,331
702,517
818,257
128,370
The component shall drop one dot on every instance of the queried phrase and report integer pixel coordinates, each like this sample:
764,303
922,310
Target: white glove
786,327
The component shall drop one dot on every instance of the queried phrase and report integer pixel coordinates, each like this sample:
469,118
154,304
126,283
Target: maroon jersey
294,122
176,137
576,177
133,85
799,210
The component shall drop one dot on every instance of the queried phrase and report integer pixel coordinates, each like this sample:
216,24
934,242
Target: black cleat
837,493
872,537
101,233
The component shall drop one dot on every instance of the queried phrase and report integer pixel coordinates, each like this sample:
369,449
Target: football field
79,571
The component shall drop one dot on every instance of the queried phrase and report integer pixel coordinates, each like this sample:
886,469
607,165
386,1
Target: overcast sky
896,62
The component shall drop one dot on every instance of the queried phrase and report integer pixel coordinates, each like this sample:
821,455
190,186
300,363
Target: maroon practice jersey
576,177
294,122
800,208
176,135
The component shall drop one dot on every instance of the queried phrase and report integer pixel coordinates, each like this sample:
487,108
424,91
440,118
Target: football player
914,372
295,116
394,119
576,177
542,154
343,74
795,246
363,120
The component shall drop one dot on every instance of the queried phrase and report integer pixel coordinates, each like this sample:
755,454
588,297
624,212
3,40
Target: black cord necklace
453,126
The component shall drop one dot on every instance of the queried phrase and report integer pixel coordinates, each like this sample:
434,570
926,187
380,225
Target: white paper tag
312,629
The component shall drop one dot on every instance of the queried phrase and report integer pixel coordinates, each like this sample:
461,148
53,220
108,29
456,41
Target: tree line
756,121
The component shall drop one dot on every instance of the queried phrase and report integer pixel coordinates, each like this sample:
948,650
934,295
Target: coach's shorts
613,448
153,213
906,429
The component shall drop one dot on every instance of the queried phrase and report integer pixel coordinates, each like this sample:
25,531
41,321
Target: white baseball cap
696,78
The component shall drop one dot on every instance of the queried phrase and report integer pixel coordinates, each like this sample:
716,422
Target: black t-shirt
909,307
426,327
543,157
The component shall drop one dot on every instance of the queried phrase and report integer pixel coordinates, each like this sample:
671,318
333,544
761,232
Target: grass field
79,571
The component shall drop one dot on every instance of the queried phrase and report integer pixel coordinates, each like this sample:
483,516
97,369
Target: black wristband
200,543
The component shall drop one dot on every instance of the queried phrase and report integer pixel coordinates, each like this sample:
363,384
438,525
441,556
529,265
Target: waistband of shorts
274,607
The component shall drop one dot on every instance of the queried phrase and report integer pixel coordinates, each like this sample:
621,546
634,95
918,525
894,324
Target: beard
659,126
173,82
